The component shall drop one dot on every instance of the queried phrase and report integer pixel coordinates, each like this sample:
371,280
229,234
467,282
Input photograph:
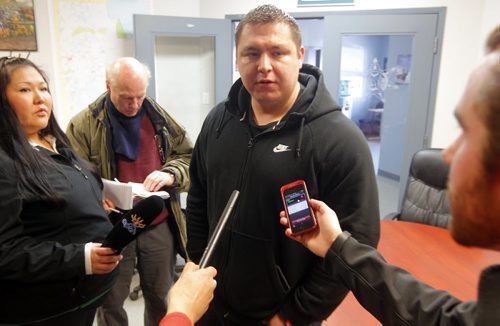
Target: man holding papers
128,136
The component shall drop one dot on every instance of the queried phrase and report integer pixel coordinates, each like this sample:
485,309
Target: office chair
426,199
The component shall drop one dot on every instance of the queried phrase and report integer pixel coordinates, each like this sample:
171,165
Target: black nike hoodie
260,271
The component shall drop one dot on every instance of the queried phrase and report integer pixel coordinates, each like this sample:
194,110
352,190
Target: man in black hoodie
278,124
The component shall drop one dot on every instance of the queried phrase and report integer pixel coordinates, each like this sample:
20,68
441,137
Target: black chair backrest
426,196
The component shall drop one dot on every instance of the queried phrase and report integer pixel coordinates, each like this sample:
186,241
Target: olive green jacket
90,134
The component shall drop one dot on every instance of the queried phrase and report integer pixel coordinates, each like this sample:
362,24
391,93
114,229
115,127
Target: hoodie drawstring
301,134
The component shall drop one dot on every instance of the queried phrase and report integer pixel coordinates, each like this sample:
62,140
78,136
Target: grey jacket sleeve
178,161
388,292
78,135
179,154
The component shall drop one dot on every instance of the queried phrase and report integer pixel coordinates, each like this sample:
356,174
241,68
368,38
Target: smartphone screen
296,200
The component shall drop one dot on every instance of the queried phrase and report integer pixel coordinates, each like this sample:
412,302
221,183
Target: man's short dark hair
491,99
267,14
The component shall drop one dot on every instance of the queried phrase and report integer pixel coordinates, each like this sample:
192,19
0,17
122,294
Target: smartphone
298,212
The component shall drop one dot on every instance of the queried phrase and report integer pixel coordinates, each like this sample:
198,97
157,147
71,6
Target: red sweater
148,160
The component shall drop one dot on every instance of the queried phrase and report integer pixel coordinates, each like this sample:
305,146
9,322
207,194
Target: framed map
17,26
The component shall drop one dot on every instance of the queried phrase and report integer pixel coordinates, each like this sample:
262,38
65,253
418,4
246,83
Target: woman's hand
104,260
108,205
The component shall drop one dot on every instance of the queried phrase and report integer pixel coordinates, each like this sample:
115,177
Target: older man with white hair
130,137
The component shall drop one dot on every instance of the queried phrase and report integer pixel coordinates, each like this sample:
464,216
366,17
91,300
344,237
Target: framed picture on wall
17,26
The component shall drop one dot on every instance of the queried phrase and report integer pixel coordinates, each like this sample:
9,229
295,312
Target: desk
431,255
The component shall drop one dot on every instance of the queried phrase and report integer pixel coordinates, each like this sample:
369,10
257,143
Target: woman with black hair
53,270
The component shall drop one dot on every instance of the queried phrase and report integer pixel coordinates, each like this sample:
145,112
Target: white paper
122,194
119,193
139,190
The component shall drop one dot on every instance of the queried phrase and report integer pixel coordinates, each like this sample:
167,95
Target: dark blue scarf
125,131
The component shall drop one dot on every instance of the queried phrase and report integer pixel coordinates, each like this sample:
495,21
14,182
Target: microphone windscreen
131,224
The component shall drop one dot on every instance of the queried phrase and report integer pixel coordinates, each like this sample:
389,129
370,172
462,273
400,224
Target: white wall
189,8
191,58
467,24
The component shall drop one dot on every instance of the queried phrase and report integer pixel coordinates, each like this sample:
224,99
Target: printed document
122,194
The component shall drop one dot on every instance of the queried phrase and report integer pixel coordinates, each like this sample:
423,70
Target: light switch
205,98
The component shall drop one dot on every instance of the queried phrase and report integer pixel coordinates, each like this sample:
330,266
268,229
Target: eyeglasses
6,61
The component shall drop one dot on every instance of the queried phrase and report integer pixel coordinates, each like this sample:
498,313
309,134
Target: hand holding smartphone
297,209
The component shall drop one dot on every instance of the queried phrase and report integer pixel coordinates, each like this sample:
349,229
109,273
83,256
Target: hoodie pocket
253,284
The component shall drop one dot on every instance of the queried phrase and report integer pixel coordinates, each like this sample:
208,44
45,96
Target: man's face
269,63
127,92
474,195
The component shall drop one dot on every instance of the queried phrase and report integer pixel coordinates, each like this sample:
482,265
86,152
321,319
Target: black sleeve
390,293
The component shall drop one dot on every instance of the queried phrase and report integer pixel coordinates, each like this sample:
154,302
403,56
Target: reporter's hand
192,292
156,180
104,260
319,240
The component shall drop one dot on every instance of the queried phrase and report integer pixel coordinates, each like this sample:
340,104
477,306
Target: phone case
302,219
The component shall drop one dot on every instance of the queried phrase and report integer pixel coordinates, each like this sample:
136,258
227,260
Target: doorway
383,66
190,64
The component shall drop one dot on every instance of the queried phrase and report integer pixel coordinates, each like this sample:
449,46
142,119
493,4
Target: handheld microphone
218,229
134,222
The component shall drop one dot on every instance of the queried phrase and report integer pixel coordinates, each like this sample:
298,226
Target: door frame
148,27
440,13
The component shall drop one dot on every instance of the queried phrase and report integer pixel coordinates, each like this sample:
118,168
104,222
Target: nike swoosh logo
281,148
